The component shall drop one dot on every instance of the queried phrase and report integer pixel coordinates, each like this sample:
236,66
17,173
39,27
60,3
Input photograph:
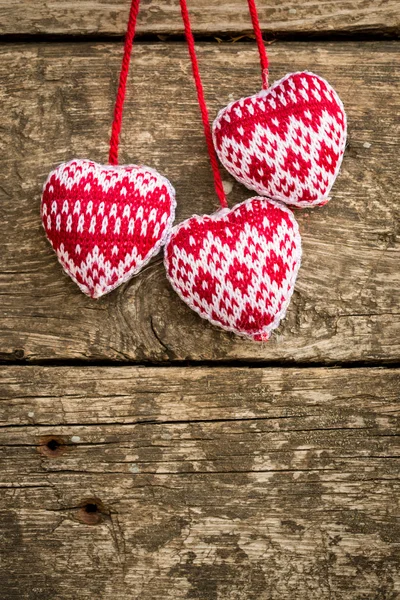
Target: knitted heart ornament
287,141
237,268
105,222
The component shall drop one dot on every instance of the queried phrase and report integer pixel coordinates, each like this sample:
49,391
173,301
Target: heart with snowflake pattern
237,268
287,141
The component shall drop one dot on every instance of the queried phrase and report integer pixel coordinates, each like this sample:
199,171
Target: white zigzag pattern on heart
90,229
97,258
309,151
248,239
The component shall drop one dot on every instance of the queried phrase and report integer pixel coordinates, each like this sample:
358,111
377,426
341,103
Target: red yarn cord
123,76
260,42
202,104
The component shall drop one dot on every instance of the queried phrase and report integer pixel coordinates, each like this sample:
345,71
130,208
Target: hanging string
202,104
260,42
123,76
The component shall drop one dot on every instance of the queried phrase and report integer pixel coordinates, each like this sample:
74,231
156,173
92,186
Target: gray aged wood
271,484
209,17
222,483
57,102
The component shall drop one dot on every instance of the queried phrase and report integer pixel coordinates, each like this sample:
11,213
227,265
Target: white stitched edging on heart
63,213
248,149
205,308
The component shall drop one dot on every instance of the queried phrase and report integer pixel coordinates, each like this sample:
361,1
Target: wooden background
144,454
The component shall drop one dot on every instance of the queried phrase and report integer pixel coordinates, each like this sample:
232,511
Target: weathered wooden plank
109,17
57,103
199,483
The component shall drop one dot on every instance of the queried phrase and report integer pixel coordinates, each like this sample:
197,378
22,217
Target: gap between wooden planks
199,483
90,17
209,17
57,102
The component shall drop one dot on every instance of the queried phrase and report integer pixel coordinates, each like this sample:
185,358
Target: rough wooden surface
287,17
206,483
57,102
272,484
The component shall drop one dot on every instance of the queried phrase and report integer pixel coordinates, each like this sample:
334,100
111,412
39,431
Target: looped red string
123,76
260,42
202,104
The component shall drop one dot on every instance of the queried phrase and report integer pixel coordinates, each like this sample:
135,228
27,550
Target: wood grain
209,483
57,102
209,17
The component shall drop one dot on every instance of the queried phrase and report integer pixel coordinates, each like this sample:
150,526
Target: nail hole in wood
91,512
52,446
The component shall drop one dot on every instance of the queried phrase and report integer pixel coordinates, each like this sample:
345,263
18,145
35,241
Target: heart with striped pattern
106,222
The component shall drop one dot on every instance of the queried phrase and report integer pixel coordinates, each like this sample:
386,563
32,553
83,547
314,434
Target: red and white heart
106,222
286,142
237,268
